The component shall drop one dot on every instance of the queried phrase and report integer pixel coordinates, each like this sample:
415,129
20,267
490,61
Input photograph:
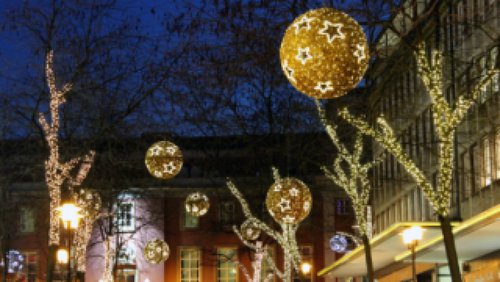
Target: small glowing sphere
156,251
324,53
249,230
62,256
305,268
289,201
164,160
339,243
197,204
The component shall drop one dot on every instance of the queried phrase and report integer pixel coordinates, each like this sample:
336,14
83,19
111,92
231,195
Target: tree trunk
368,258
51,262
81,276
451,251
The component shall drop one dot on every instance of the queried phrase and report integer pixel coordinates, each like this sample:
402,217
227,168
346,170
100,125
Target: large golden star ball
164,160
156,251
324,53
197,204
289,201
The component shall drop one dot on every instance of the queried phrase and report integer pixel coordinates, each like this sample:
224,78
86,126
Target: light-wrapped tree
351,174
446,118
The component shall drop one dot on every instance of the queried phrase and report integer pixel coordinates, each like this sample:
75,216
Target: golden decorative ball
324,53
156,251
249,230
289,200
197,204
164,160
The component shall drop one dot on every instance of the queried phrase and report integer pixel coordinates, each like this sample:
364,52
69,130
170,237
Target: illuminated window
227,268
125,217
188,220
31,266
266,266
486,163
27,220
190,264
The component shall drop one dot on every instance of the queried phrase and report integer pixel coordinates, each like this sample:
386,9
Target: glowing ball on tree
156,251
324,53
289,201
164,160
249,230
197,204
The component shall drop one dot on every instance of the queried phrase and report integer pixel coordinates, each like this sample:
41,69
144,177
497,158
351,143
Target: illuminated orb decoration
324,53
249,230
16,261
164,160
156,251
289,200
197,204
339,243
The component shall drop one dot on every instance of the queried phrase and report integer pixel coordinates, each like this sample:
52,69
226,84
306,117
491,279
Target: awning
385,247
475,237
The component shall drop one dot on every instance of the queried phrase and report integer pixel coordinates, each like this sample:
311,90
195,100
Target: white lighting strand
91,205
57,172
354,178
260,255
109,259
286,239
446,119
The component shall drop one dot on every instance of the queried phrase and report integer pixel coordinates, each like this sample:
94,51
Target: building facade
467,32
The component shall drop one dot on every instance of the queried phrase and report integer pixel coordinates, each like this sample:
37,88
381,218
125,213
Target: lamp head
62,256
70,213
412,235
305,268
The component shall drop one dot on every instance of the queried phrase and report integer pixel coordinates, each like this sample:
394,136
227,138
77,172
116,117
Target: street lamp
305,268
62,256
411,237
70,216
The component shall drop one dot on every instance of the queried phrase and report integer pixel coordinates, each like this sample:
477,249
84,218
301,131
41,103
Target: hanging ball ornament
164,160
197,204
339,243
324,53
156,251
249,230
289,200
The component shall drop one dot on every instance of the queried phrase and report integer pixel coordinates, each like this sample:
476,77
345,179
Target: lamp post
70,216
411,238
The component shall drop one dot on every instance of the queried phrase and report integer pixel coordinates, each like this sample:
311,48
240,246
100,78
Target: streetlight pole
70,216
411,237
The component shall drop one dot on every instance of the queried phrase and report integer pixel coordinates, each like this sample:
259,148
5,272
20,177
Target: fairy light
353,178
446,118
91,204
109,259
286,239
56,171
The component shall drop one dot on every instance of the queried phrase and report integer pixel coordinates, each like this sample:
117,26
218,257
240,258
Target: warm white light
70,213
62,256
413,234
305,268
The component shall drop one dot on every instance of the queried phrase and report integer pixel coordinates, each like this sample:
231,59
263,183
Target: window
126,255
27,220
466,175
342,207
31,266
227,212
497,154
486,171
188,220
266,268
190,264
227,269
306,252
125,219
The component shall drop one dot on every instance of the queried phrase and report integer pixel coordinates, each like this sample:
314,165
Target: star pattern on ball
197,204
360,52
284,205
304,23
288,71
277,187
169,167
170,150
289,219
324,87
303,55
294,192
332,31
